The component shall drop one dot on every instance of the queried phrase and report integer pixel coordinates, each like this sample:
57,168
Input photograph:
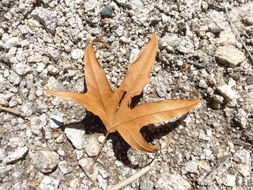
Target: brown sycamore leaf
113,107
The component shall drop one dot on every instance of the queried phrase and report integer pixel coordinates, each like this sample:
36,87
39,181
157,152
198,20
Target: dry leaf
113,106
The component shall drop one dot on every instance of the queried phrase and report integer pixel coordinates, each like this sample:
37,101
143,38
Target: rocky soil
204,46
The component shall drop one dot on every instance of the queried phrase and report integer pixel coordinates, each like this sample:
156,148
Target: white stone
244,169
204,165
53,53
12,42
21,68
6,73
114,6
16,155
229,55
85,164
24,43
92,146
76,136
46,17
165,18
136,3
74,183
120,31
52,70
35,58
229,180
14,101
173,182
146,184
169,40
202,83
102,182
45,161
101,138
4,98
61,152
231,82
207,153
79,154
242,156
190,167
5,37
39,92
64,167
15,142
125,40
203,136
49,183
103,173
21,57
134,54
227,92
56,120
91,4
226,37
77,53
33,23
40,67
14,78
185,46
67,48
2,155
37,123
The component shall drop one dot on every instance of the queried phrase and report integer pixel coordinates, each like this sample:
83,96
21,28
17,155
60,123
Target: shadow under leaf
92,124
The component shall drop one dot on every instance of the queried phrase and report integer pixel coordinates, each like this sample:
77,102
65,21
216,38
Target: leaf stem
100,150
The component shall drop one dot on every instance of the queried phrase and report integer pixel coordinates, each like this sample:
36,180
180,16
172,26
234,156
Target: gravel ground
201,48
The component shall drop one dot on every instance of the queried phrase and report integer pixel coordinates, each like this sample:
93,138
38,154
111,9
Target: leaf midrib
128,121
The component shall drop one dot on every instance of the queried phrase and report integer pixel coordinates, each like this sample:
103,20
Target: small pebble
92,147
77,53
49,183
173,182
76,136
64,167
227,92
249,80
229,180
45,161
229,56
40,67
106,11
146,185
16,155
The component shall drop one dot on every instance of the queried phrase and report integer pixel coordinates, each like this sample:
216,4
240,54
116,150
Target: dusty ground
201,48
